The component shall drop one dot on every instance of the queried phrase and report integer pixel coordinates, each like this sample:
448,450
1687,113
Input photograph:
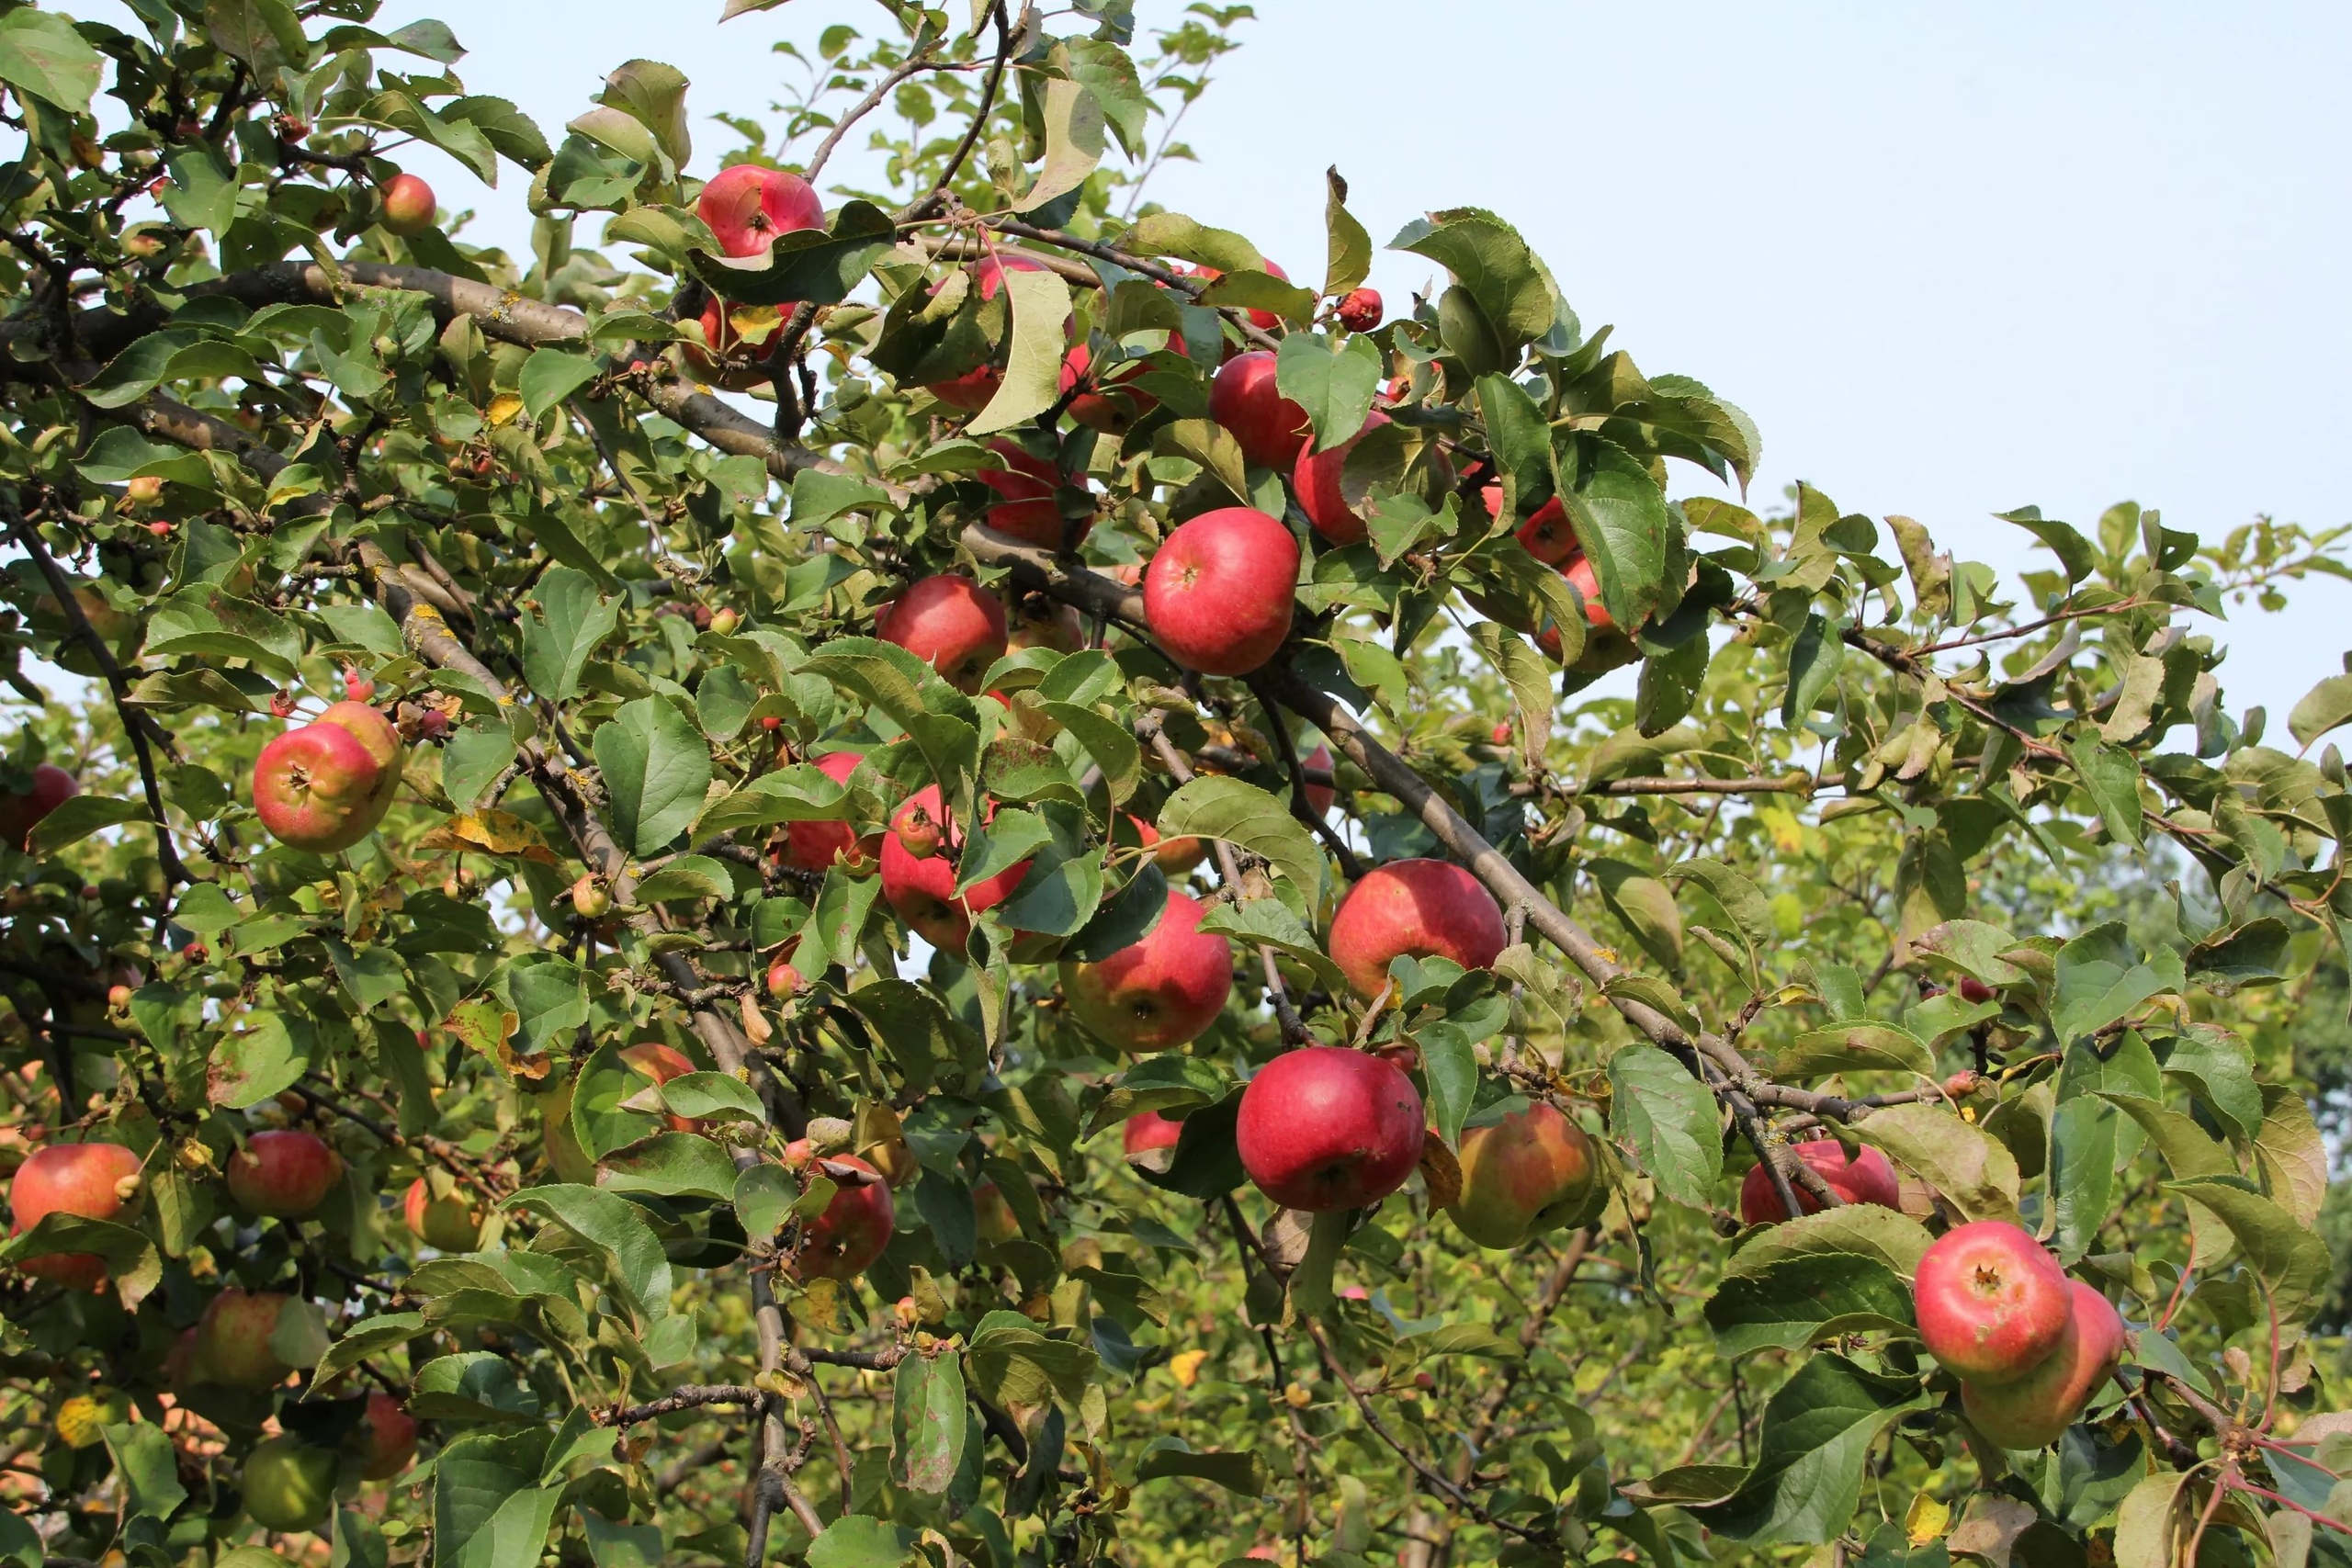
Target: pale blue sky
1954,260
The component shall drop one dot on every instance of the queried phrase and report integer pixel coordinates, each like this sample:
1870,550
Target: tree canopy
1027,938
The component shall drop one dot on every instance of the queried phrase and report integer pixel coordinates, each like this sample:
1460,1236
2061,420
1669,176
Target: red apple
662,1063
408,204
357,687
232,1341
1316,478
1429,908
448,1224
2035,1411
288,1484
1160,992
784,980
1974,992
1868,1179
1360,312
52,787
1246,400
1500,734
1529,1173
287,1173
997,1222
1147,1130
1581,577
1220,590
1111,402
971,391
1319,796
1549,537
324,786
922,892
1029,510
842,1241
950,622
1323,1127
1175,856
727,361
97,1181
746,207
1992,1305
1264,321
814,846
391,1434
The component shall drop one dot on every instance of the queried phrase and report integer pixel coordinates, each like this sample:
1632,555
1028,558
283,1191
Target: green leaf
473,1385
1621,519
1333,380
1489,260
134,1266
1974,1171
854,1541
1073,118
1800,1301
1266,921
656,769
687,878
149,1466
1348,247
485,1496
1818,1430
2291,1259
1103,70
1011,1362
1814,660
712,1094
654,95
1860,1046
671,1165
559,635
1173,234
1241,1473
1246,289
1453,1074
549,376
1863,1230
2322,708
1164,1082
370,1335
2100,980
1741,898
618,1229
261,1055
41,53
1248,817
1033,366
550,997
2111,777
927,1422
1671,1118
81,816
2074,552
1644,907
818,267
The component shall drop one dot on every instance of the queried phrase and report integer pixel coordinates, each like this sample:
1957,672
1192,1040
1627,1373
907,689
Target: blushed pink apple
408,207
232,1341
50,787
96,1181
2035,1411
1160,992
390,1433
449,1224
1529,1173
1867,1178
1147,1130
324,786
1315,478
952,624
746,207
287,1173
1429,909
1992,1305
842,1241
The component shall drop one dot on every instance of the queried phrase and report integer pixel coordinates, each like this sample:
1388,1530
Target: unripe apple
142,490
662,1063
1360,312
1030,511
97,1181
952,624
1220,591
289,1485
1962,1084
159,528
117,999
1032,620
281,704
1244,398
1323,1127
591,900
324,786
390,1436
287,1173
784,980
445,1224
249,1557
993,1214
814,846
1500,734
747,206
409,206
1159,993
922,892
357,687
1526,1174
2035,1411
1867,1178
724,620
1147,1130
1316,477
20,813
232,1341
916,833
1992,1305
971,391
1425,908
842,1241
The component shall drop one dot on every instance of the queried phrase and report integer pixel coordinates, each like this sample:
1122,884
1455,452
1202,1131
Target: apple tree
1127,907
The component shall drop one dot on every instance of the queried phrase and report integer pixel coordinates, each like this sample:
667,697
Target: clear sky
1954,260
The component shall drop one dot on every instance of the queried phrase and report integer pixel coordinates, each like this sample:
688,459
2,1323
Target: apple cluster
2030,1345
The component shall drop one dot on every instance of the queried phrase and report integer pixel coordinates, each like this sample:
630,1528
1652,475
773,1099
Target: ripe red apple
446,1224
1029,510
1220,590
1529,1173
727,361
1147,1130
1160,992
97,1181
922,892
408,205
950,622
1246,400
1175,856
52,787
1868,1179
1110,403
1549,537
2036,1410
746,207
289,1485
390,1437
1316,478
232,1341
814,846
996,1223
971,391
1319,796
324,786
1360,312
1425,908
1323,1127
842,1241
287,1173
1992,1305
1581,577
1974,992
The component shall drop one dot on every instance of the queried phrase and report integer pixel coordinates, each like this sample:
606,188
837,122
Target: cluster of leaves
252,439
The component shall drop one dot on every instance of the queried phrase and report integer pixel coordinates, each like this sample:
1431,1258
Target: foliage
260,452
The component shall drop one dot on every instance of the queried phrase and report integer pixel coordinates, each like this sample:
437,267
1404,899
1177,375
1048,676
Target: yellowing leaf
1928,1518
1186,1366
491,833
504,408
